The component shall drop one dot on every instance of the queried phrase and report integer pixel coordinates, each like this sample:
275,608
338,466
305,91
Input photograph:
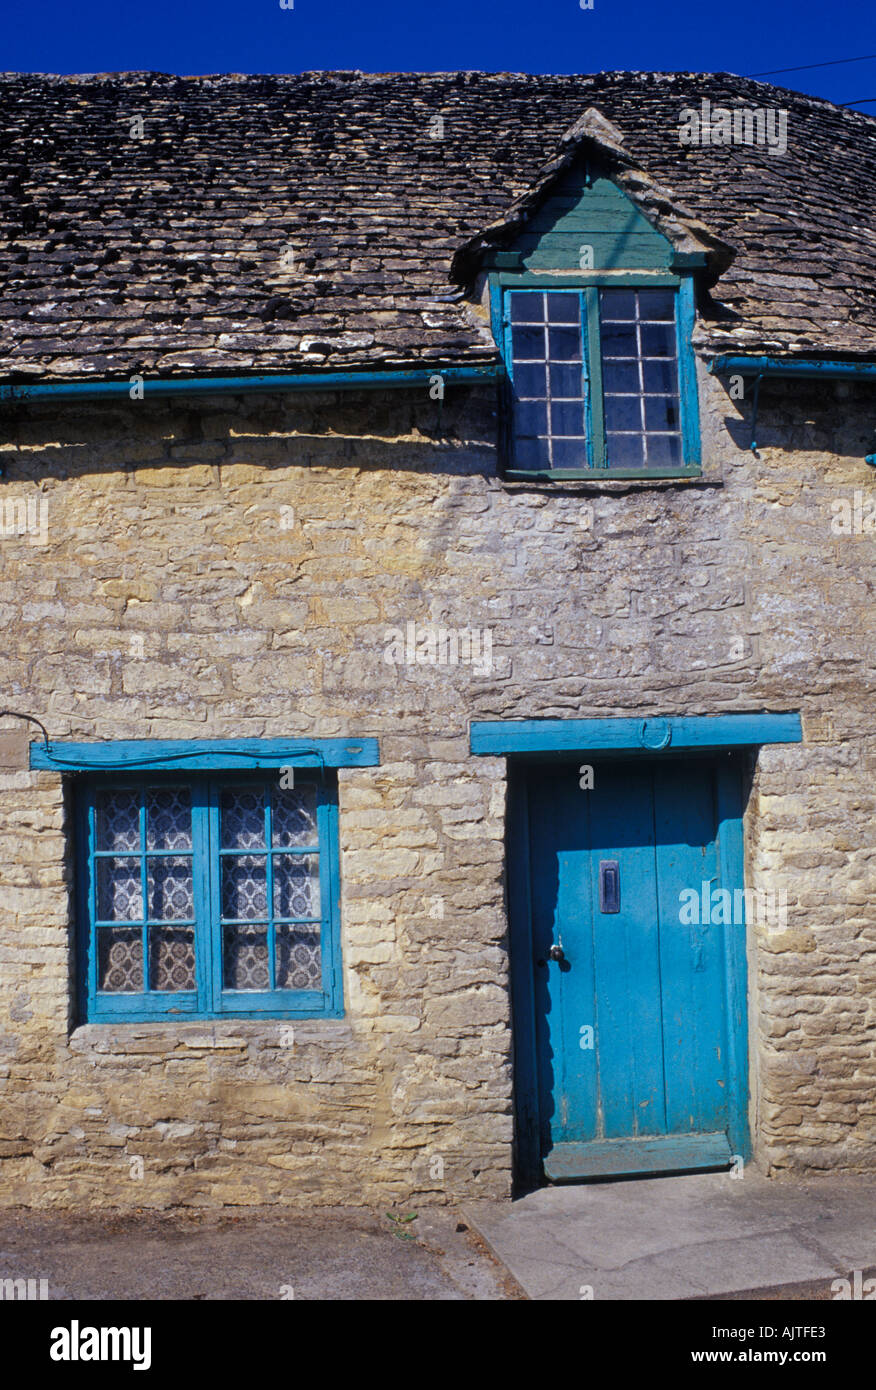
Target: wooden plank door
629,1015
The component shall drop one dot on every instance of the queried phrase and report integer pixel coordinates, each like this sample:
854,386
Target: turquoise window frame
209,1000
588,286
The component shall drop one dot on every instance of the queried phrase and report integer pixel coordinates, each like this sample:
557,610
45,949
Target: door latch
609,885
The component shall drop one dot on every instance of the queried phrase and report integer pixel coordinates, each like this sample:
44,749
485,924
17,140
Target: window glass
640,378
639,424
205,896
548,379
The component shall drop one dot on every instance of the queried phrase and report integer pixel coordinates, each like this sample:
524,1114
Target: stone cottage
438,521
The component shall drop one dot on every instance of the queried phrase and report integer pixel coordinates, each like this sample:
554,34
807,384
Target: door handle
557,953
609,885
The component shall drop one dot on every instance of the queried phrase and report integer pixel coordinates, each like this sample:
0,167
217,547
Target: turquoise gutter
759,367
777,366
234,385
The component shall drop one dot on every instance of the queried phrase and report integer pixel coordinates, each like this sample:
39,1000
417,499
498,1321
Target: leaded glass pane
119,890
293,817
243,818
296,885
118,820
298,957
119,960
165,858
171,958
170,890
169,818
245,957
244,886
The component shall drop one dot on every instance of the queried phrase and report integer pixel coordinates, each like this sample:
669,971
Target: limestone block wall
237,568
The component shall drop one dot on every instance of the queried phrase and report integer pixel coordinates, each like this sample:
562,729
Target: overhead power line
806,67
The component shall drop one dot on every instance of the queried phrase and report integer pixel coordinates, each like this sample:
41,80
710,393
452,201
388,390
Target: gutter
778,366
760,367
139,386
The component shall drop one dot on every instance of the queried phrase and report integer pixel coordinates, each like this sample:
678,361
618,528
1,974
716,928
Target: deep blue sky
207,36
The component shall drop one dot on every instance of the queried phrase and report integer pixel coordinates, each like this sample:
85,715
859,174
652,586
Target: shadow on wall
801,416
400,429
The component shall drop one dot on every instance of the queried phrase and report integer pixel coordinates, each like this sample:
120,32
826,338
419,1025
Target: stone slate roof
306,222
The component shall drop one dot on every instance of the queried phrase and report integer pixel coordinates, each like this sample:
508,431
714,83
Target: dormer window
592,307
598,376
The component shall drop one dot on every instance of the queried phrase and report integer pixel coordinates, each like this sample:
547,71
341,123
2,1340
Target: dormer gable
585,223
592,194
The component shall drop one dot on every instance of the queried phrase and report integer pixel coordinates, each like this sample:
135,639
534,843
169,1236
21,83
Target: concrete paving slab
544,1280
694,1236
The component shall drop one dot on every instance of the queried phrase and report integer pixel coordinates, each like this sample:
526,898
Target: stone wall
233,568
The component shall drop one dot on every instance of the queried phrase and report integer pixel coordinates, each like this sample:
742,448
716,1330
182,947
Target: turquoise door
636,1005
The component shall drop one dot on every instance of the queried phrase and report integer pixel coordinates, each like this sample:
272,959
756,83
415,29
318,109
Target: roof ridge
605,79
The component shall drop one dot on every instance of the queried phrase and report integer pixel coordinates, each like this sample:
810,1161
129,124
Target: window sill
599,475
257,1006
607,482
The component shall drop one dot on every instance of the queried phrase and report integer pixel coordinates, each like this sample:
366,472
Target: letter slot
609,885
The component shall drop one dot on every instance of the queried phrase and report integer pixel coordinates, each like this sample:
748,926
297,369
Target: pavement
703,1236
324,1254
698,1236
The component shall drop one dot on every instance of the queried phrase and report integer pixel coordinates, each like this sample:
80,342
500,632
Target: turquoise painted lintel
202,754
495,738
